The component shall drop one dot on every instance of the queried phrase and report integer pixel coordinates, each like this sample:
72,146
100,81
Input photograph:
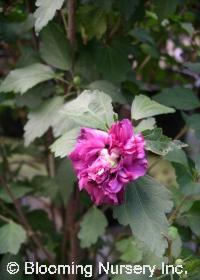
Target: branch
8,211
71,227
50,163
25,223
7,170
115,28
4,219
64,21
176,211
71,6
181,133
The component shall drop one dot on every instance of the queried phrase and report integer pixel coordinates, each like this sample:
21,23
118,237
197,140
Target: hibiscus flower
105,162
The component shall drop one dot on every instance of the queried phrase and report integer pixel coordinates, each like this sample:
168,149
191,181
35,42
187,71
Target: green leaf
160,144
176,247
92,21
144,107
64,145
127,7
186,180
65,178
166,8
28,57
109,88
176,244
193,66
55,49
92,109
44,186
35,217
178,197
178,156
34,96
180,98
143,35
18,191
193,222
150,258
63,124
22,79
92,227
85,66
144,209
197,164
193,219
193,266
112,61
188,27
191,189
42,118
150,50
193,122
130,252
145,125
12,31
12,236
45,12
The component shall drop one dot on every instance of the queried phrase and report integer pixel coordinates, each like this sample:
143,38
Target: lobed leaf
188,184
193,66
65,179
178,156
127,7
193,219
145,125
92,227
22,79
144,107
91,109
160,144
64,145
179,98
143,35
12,236
165,8
112,61
144,209
41,119
44,186
55,48
109,88
45,12
18,191
193,122
92,21
129,249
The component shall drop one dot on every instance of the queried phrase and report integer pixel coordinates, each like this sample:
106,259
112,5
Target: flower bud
77,81
179,262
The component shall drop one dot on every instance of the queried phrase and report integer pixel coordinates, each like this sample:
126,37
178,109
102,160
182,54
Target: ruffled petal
105,162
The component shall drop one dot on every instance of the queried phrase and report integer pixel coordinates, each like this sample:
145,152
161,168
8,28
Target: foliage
13,236
144,107
90,229
144,210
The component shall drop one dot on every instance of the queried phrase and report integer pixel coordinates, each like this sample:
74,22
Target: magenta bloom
106,161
